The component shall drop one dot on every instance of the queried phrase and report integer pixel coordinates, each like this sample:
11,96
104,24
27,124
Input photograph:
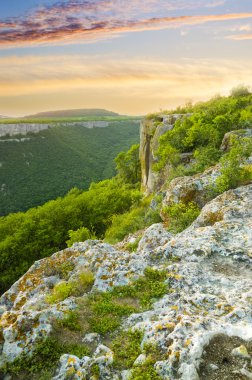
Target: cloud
240,37
85,20
127,85
28,75
216,3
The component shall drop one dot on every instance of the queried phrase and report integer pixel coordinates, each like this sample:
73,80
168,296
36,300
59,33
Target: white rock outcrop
208,270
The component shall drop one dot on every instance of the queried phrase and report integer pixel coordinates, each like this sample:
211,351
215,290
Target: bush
44,230
127,347
240,90
60,292
233,174
65,289
70,321
128,165
134,220
205,157
179,216
81,234
205,129
145,289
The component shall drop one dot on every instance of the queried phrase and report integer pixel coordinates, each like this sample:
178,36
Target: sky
128,56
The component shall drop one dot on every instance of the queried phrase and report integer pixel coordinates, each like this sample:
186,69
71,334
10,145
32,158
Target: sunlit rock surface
200,325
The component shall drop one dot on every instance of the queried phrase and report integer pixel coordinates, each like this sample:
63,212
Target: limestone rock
191,188
241,133
150,131
154,237
209,281
241,352
223,227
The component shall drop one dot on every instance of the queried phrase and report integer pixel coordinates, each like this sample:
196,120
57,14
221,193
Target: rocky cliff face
202,325
23,129
150,131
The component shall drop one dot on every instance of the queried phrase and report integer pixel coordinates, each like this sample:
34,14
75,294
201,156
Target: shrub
43,360
205,157
133,246
179,216
64,269
146,288
70,321
127,347
134,220
65,289
233,174
84,282
145,372
60,292
166,153
81,234
240,90
106,312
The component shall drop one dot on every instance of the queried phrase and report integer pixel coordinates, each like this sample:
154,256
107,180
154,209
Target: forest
48,164
115,207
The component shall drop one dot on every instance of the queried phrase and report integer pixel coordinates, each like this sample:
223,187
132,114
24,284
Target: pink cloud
85,20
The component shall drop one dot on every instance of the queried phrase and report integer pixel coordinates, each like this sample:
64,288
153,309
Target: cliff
150,131
165,303
23,129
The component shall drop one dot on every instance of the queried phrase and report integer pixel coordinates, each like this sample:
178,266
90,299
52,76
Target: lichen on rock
209,291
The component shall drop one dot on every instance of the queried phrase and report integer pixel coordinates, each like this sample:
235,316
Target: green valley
37,167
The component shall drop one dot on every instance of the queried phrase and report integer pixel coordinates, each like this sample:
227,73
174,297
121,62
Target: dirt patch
218,363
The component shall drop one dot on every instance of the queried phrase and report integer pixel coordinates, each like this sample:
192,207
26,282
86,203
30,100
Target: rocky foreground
202,326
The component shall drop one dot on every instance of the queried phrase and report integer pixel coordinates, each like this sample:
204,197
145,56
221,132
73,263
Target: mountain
38,167
152,283
72,113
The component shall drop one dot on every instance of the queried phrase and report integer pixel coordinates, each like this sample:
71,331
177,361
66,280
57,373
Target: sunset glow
131,57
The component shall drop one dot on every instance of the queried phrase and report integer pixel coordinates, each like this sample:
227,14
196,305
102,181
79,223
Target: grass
146,289
43,361
97,312
107,312
132,247
102,312
127,347
71,321
65,289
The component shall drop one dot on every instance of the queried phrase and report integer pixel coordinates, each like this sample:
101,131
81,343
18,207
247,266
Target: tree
240,90
128,165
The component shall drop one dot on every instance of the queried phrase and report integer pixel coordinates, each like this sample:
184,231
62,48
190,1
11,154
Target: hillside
39,167
151,285
72,113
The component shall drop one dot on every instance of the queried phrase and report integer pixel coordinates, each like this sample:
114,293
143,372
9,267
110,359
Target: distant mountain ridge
74,113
